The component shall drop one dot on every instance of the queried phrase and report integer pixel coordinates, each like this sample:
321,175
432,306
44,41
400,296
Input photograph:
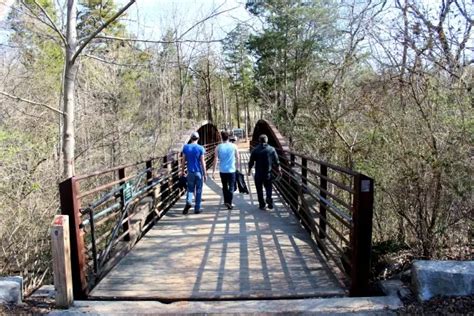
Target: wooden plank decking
222,254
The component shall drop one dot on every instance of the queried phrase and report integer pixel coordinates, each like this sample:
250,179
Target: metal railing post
323,183
304,171
303,188
164,186
149,179
174,176
361,236
149,173
125,225
70,205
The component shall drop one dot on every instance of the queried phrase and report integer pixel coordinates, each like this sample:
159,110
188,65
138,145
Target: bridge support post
361,237
61,250
70,205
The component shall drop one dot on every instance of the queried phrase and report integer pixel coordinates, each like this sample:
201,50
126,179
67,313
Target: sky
150,19
4,8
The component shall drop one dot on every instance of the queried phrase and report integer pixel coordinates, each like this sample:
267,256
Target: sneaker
269,203
229,206
198,212
186,208
263,208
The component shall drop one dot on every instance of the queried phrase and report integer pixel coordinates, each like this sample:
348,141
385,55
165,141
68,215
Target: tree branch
53,25
464,13
107,23
102,60
31,102
205,19
33,15
178,40
155,41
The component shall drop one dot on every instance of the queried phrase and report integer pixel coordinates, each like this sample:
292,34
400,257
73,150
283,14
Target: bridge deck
222,254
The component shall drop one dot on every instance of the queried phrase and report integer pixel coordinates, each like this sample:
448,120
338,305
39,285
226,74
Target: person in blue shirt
228,156
193,157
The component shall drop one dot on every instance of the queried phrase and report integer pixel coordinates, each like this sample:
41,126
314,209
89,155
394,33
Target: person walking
193,157
228,156
264,157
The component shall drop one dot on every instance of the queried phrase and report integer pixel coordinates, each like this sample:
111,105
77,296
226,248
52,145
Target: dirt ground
440,306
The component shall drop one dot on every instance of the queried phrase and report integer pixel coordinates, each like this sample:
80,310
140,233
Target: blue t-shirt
226,155
193,154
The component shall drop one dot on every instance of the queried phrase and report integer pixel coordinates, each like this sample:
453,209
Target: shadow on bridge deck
242,253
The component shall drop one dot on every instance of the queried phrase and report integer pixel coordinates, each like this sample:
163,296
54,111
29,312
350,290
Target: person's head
263,139
224,136
194,136
232,139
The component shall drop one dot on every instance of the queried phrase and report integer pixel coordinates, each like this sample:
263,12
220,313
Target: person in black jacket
264,157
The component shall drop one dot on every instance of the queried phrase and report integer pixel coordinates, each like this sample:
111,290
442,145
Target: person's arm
203,166
251,161
183,163
276,161
237,159
216,157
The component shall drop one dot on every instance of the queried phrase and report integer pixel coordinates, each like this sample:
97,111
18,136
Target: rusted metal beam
361,237
70,205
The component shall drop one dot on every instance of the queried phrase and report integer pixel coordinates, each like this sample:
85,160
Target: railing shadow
249,252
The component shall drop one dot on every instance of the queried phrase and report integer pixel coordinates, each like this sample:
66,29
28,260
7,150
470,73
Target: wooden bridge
130,241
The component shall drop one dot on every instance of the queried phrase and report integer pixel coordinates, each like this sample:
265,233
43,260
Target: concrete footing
381,305
11,290
443,278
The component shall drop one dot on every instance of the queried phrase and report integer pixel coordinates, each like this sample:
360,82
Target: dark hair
263,139
224,135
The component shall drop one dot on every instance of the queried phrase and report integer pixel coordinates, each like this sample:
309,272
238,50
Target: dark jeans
228,186
260,182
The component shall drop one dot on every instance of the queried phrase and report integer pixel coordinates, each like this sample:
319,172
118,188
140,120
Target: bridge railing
335,205
110,210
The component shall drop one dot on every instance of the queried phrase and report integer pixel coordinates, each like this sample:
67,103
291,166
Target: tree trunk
224,107
238,108
181,85
69,87
207,82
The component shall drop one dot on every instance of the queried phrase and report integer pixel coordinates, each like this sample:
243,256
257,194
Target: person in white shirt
228,156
